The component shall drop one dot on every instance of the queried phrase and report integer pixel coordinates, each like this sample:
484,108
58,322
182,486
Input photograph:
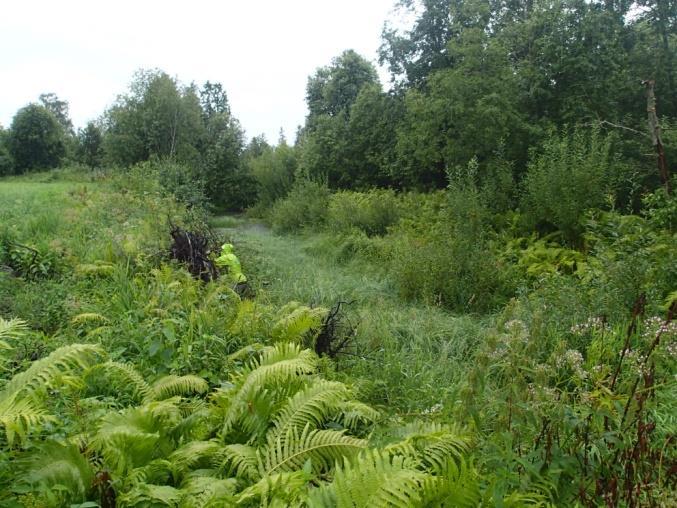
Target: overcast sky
262,51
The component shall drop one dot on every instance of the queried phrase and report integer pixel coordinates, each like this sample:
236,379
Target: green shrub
36,139
305,206
372,212
274,171
571,174
444,254
166,177
661,208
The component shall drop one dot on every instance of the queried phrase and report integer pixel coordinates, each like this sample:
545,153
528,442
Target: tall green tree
6,162
413,54
90,145
331,93
333,89
157,118
36,139
273,169
213,99
372,137
59,108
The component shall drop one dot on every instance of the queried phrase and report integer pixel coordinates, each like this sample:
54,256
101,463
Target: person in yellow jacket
229,260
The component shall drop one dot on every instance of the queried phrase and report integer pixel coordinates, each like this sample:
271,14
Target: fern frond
354,413
42,373
97,269
282,489
297,322
276,367
157,471
128,439
155,496
12,328
55,464
193,454
206,492
433,445
199,421
120,376
313,405
19,415
458,487
18,411
170,386
374,479
89,317
290,451
240,461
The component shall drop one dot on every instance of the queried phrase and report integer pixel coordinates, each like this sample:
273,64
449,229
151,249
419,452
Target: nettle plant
589,420
81,430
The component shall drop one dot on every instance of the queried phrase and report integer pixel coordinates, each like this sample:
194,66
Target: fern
276,366
296,322
205,492
89,317
290,451
375,479
193,454
240,461
278,490
54,464
354,413
12,329
432,445
121,377
19,409
44,372
146,495
18,416
311,406
128,439
170,386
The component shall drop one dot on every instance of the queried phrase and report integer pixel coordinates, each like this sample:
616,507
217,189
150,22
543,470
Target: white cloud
261,51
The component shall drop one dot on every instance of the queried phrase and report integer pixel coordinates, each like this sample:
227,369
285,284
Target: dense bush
305,206
570,175
444,254
6,162
372,212
36,139
273,170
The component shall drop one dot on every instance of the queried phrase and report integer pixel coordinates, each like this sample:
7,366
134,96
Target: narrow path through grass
410,356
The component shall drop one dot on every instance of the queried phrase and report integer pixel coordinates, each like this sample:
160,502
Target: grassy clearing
523,394
408,356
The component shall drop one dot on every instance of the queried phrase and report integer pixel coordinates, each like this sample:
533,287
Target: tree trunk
655,132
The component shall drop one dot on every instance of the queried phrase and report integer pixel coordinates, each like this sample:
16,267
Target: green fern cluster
275,435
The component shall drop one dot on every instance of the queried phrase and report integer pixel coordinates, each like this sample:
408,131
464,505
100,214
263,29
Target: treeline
488,81
492,81
158,119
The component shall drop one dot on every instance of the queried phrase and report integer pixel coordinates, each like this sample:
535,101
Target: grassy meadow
127,381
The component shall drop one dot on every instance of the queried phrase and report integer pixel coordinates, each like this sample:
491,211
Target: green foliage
36,139
372,212
21,398
304,207
661,209
6,161
157,117
444,255
569,177
90,145
274,171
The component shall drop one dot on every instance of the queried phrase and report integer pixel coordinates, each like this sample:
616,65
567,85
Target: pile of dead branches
192,249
